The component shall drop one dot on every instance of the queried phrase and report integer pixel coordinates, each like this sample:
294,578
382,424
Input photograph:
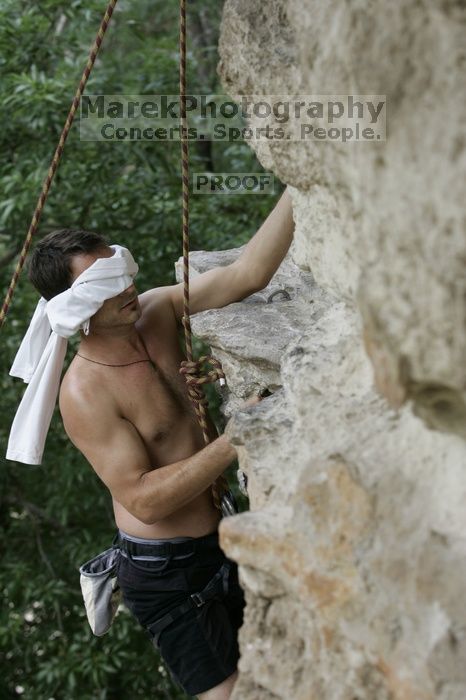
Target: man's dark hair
49,267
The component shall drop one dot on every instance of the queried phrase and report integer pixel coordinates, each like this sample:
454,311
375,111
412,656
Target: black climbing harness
217,588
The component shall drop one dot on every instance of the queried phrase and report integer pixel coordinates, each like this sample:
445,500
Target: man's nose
131,288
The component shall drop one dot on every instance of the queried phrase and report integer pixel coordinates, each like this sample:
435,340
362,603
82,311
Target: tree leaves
56,516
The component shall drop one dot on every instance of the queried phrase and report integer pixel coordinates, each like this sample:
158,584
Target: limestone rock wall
353,553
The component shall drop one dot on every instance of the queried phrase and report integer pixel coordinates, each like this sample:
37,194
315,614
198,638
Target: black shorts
157,579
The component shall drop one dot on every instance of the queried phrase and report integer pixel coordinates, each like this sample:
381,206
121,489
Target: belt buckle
197,599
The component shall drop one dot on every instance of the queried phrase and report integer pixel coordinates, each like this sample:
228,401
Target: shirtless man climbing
125,406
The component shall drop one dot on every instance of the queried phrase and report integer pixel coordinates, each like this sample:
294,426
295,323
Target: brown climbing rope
194,373
56,159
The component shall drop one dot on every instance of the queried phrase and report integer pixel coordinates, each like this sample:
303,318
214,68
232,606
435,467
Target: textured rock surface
384,219
353,553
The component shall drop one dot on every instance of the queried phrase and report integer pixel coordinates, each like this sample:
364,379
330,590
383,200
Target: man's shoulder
157,301
156,296
79,397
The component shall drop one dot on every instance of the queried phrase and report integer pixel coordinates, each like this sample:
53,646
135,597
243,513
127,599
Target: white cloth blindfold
39,360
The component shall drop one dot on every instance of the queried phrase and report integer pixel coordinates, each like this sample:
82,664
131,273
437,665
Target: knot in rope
196,374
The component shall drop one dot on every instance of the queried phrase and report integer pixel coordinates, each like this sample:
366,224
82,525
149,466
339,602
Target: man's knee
221,691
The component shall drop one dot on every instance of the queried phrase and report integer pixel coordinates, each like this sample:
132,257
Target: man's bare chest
154,399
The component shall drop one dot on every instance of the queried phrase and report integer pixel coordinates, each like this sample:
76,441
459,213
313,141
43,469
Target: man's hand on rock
252,401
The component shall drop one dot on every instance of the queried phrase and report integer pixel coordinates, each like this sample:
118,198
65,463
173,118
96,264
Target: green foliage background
56,516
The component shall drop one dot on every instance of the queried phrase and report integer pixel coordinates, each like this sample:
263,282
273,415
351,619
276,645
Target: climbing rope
194,372
56,159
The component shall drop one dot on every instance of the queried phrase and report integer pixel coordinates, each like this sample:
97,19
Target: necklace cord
105,364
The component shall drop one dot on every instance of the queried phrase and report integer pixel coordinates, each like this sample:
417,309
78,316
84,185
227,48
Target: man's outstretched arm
251,272
263,254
